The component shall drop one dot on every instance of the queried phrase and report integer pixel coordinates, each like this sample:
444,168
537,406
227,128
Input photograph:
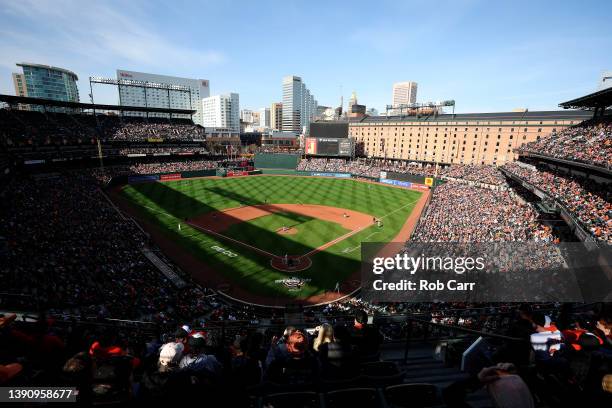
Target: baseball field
271,239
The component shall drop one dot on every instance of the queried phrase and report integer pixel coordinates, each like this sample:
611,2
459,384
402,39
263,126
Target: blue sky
487,55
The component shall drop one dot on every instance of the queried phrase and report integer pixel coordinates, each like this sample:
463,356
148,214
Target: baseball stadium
120,236
294,256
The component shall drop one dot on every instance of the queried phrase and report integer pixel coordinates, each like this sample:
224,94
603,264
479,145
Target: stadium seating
589,142
72,254
411,395
27,128
588,200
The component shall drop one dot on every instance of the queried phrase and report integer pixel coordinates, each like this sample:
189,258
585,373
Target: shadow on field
232,195
166,197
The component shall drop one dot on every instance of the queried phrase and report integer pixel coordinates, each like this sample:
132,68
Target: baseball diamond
249,217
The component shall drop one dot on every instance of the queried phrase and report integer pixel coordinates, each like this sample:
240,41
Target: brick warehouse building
471,138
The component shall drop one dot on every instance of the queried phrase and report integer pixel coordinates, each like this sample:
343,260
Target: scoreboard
320,146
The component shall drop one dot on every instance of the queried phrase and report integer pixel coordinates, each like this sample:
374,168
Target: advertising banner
171,176
311,146
420,186
337,175
231,173
142,179
396,182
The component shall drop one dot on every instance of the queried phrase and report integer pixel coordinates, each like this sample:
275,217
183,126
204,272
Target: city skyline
487,57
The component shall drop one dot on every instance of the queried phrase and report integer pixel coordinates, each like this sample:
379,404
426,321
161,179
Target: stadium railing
577,227
574,163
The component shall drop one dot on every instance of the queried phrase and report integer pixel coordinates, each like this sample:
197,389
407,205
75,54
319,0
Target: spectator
197,361
336,357
162,382
293,364
325,334
365,338
588,201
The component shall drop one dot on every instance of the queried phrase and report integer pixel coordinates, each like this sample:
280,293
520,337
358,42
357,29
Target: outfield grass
168,204
311,233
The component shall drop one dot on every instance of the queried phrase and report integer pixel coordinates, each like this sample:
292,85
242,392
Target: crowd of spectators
588,200
189,360
462,213
157,150
37,128
69,251
33,128
173,166
589,142
489,175
136,129
372,168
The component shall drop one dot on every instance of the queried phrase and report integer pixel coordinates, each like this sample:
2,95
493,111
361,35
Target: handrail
411,320
567,161
217,324
586,237
466,330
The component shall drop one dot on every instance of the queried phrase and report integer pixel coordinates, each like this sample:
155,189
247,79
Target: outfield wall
286,172
147,178
389,179
276,161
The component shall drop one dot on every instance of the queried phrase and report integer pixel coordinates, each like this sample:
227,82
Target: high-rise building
222,112
264,117
354,109
353,100
157,94
404,93
20,85
299,106
246,115
255,119
46,82
276,116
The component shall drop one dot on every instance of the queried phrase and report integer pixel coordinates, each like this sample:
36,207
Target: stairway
422,367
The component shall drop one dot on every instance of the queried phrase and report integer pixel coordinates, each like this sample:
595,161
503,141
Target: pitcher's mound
291,264
287,231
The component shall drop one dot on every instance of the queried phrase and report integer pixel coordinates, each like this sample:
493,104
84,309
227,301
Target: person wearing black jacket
365,338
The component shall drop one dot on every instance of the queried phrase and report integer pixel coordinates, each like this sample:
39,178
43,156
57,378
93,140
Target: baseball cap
170,354
197,340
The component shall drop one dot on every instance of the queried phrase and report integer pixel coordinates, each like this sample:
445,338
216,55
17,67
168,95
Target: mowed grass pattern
170,203
311,233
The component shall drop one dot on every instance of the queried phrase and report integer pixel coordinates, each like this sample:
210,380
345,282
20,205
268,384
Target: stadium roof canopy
599,99
13,100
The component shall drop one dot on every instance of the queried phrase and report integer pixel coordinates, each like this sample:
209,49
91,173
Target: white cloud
84,34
